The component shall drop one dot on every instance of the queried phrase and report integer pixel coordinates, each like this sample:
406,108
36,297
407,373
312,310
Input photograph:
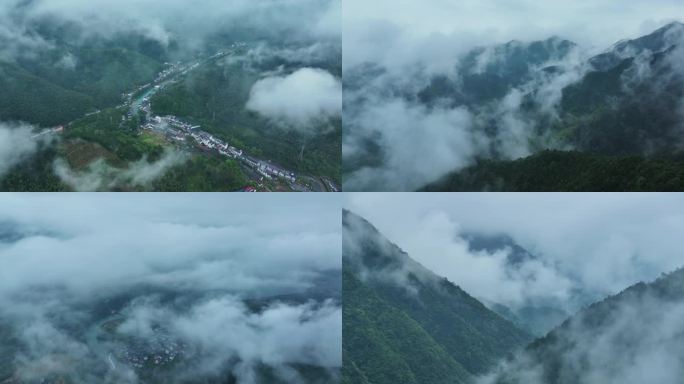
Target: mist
395,51
636,338
100,176
584,246
165,21
230,286
301,100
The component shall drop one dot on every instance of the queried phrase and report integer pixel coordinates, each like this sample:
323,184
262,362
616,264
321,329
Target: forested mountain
489,73
404,324
88,101
485,120
567,171
536,317
215,97
633,337
62,84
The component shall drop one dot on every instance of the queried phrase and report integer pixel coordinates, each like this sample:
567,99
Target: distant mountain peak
656,41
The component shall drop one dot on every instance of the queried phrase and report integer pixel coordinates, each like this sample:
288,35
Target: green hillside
552,171
43,93
613,341
27,97
404,324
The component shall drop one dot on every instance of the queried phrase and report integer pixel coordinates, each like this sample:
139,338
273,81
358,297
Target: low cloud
165,21
584,247
372,257
392,58
417,144
99,175
228,285
488,275
634,340
223,330
301,100
17,143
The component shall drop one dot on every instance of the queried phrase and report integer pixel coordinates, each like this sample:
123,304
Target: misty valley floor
167,288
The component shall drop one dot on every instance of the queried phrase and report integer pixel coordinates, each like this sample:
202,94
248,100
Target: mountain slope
404,324
215,96
535,317
626,101
568,171
66,82
635,336
27,97
630,103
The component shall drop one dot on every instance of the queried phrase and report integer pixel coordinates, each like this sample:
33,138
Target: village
182,133
141,355
185,135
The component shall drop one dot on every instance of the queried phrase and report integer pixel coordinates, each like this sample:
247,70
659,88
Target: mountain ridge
629,327
464,337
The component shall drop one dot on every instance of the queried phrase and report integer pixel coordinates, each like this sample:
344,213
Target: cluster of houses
178,131
166,350
209,141
269,171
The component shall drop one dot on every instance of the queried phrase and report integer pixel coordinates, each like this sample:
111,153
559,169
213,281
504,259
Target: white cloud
67,256
100,176
598,243
477,22
298,100
418,144
637,341
17,142
189,242
164,20
224,329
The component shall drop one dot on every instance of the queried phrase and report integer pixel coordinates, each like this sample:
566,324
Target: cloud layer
17,142
100,176
191,265
590,243
634,338
166,21
409,64
299,100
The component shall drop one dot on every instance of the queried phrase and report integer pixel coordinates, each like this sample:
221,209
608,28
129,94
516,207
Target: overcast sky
382,29
600,243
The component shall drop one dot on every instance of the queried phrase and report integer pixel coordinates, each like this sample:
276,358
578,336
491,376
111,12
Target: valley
473,307
122,109
138,119
505,117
